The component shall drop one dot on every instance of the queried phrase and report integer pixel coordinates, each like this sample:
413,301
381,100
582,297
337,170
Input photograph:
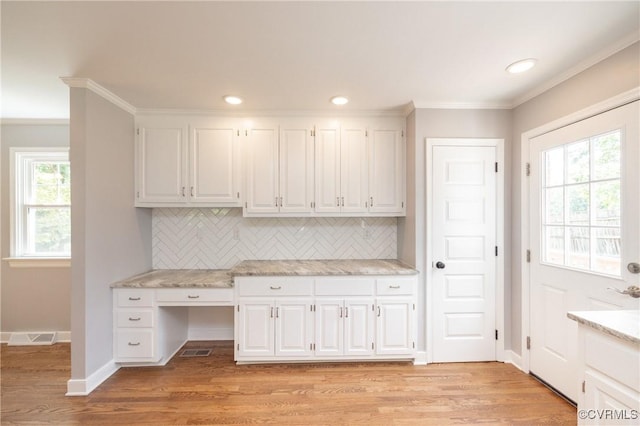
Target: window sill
38,262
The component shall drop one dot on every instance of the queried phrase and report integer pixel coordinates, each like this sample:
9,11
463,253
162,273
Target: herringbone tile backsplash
220,238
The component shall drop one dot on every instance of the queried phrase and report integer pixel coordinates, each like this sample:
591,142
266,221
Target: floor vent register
195,352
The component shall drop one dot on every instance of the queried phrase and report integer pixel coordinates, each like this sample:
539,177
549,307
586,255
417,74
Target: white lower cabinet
394,326
344,327
324,318
610,388
268,328
151,324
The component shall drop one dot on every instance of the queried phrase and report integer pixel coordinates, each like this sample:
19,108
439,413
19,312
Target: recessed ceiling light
339,100
521,66
233,100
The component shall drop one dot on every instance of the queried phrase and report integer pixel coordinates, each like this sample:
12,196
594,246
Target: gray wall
447,123
111,239
33,299
613,76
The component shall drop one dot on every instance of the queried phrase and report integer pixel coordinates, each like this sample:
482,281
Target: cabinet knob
440,265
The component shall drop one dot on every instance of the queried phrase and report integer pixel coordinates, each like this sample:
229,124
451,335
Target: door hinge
313,132
496,167
371,345
528,169
246,133
238,195
238,132
528,256
138,131
402,206
246,205
402,133
238,308
414,345
584,385
366,133
496,334
414,306
528,342
496,250
238,346
138,194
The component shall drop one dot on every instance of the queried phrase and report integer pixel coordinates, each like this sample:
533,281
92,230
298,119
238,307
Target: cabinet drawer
195,295
135,344
344,286
395,286
616,358
135,298
134,318
276,286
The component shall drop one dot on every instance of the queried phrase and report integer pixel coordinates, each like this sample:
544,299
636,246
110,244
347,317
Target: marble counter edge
579,316
223,278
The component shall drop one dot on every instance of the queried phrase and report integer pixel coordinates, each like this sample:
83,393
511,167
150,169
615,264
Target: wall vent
38,338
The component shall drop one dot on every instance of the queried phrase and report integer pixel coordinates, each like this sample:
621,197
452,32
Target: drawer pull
276,288
197,296
134,298
346,312
394,286
134,319
134,344
378,310
272,312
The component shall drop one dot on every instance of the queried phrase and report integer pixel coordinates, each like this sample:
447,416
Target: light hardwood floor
213,390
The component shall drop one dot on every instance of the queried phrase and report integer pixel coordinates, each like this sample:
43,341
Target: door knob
440,265
634,268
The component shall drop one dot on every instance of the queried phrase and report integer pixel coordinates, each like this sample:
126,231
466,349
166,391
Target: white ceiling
292,56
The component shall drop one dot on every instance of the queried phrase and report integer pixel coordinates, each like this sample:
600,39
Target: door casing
499,296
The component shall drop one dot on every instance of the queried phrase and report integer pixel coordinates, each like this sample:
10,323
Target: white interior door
463,233
584,231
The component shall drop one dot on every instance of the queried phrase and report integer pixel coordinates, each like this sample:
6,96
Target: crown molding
611,50
273,113
87,83
461,105
34,121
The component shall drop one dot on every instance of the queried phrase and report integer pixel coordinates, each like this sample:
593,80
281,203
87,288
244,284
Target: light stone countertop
179,278
321,267
223,278
623,324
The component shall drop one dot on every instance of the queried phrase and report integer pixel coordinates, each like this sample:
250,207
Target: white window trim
16,260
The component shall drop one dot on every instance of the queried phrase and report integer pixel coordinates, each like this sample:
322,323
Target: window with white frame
41,202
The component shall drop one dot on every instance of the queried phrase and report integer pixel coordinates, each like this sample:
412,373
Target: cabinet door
386,171
602,393
255,328
327,170
394,330
296,168
262,170
161,164
214,164
329,327
294,327
354,183
358,327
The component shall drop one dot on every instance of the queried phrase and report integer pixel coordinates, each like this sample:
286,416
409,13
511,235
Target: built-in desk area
296,299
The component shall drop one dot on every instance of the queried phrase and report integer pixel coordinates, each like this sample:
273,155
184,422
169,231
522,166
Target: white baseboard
83,387
61,336
421,358
513,358
210,334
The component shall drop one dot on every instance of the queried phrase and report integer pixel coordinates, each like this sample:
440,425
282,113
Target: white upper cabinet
359,169
273,166
160,157
214,154
296,167
187,162
386,171
279,169
262,169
